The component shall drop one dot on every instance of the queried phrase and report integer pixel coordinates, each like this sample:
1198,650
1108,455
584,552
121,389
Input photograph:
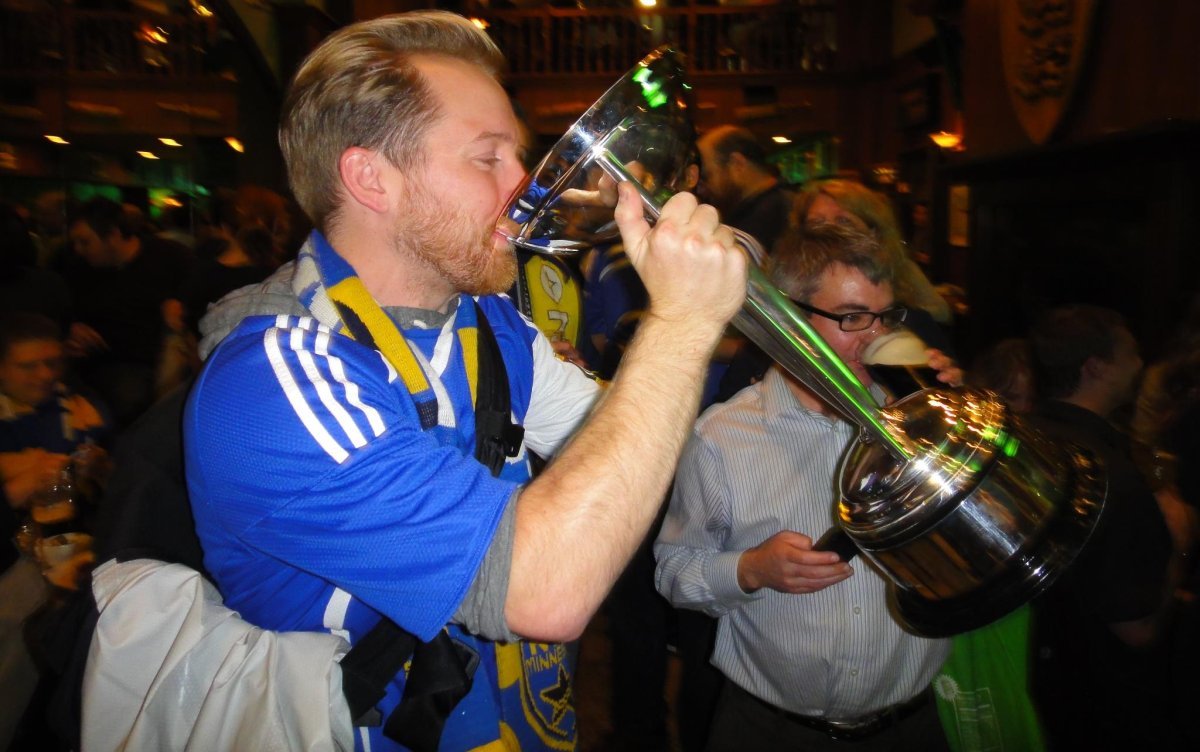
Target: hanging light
946,139
236,145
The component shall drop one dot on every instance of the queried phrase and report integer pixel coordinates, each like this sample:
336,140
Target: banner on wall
1044,44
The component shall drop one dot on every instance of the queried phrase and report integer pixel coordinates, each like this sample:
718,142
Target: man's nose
513,176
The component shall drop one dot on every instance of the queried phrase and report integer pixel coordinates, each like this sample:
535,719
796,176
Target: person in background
852,204
812,657
614,299
639,621
982,690
48,223
1098,644
123,292
45,426
1167,415
743,185
1166,424
330,439
24,286
262,207
1007,369
176,222
241,251
38,409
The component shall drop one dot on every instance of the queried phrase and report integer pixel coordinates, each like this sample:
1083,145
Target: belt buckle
856,729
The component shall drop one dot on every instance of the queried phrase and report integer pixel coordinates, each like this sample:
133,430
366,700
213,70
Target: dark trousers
700,683
637,619
639,622
745,724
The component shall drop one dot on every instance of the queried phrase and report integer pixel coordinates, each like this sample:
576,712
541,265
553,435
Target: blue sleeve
303,448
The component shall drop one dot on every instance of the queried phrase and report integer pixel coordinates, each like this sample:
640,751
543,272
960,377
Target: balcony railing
105,43
797,37
793,38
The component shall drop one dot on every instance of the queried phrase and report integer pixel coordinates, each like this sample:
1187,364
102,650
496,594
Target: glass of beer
897,360
54,508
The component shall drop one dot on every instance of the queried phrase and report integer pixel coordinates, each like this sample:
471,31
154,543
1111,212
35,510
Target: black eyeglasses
857,321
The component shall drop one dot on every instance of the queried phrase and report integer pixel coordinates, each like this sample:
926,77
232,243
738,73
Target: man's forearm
578,524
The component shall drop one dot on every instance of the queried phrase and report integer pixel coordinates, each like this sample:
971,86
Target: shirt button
854,672
857,610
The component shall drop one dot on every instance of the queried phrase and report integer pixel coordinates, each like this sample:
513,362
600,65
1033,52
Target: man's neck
756,186
127,249
805,396
13,407
1092,402
394,277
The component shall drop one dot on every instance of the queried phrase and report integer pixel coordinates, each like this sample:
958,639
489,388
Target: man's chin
499,276
862,373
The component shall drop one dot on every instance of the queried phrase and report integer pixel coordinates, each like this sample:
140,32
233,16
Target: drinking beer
898,361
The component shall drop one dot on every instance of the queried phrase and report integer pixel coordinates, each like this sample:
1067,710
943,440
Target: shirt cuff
721,573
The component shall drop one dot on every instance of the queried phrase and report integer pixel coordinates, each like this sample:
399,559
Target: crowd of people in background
101,310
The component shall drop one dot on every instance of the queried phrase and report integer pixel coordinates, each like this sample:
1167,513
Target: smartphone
836,540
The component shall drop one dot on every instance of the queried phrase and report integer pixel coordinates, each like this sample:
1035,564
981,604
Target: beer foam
898,348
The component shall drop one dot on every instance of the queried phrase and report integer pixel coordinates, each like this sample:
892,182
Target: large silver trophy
968,512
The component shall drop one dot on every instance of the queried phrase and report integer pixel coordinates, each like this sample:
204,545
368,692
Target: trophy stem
773,323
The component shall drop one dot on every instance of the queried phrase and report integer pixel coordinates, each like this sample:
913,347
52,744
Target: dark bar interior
1035,154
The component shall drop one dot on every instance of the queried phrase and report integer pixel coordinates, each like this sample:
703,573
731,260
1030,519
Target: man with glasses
813,658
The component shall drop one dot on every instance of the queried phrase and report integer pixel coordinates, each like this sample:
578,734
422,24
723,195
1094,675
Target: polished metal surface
641,131
643,124
983,518
969,512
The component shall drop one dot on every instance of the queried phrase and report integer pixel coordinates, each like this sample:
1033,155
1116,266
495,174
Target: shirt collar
780,402
1094,424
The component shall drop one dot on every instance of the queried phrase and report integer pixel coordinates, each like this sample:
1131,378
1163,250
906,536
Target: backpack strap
496,436
442,669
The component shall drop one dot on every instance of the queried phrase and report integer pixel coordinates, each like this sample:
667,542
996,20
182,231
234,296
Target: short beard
441,239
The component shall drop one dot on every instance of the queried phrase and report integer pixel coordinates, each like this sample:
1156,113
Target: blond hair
360,88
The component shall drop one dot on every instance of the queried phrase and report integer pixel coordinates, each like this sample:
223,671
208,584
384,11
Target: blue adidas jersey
320,503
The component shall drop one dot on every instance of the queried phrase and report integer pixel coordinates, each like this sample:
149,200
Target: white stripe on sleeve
296,398
338,370
335,408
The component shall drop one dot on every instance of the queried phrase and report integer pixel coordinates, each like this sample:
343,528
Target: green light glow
652,91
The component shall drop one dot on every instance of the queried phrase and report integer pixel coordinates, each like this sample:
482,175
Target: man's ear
1094,369
363,178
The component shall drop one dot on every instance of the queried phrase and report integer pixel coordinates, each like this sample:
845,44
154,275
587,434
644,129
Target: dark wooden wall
1108,210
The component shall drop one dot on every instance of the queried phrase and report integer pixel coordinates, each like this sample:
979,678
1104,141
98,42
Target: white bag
171,668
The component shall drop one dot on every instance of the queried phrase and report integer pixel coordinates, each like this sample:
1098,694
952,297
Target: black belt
850,729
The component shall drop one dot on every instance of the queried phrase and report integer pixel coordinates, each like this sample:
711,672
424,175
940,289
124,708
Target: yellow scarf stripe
468,337
388,339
